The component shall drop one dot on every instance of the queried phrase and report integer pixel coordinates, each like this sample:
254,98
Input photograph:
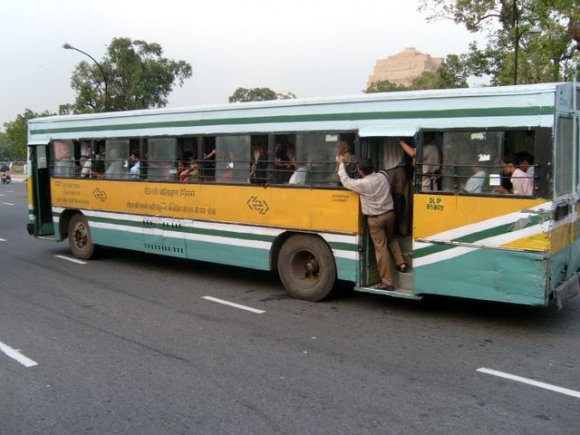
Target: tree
243,95
17,133
137,75
452,73
529,41
385,86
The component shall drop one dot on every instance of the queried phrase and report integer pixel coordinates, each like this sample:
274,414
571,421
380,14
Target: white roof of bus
329,113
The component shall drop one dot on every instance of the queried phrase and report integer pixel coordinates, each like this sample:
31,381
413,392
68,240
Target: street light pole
67,46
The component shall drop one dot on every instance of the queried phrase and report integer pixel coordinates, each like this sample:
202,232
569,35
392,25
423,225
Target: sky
312,48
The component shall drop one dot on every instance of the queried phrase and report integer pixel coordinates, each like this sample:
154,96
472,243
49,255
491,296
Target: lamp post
67,46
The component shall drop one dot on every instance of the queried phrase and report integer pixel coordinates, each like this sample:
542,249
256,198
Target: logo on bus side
101,195
258,205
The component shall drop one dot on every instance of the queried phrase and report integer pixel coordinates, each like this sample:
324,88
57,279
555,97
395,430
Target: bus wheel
306,268
79,237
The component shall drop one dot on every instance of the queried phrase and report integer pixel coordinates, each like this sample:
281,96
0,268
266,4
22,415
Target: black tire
79,237
306,267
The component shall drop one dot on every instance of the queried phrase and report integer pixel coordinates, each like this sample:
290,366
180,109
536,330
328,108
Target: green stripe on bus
206,232
474,237
452,113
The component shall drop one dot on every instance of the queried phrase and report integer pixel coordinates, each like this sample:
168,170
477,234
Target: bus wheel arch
79,236
306,266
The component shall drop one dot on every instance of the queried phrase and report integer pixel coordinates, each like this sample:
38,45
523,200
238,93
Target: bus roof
395,112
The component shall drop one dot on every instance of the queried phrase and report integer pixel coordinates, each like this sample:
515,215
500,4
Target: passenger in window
522,183
188,173
526,163
431,165
135,166
283,165
208,164
344,149
87,162
259,166
475,183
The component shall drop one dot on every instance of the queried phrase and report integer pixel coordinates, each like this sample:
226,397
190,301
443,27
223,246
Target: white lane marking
15,354
528,381
72,260
231,304
2,240
7,203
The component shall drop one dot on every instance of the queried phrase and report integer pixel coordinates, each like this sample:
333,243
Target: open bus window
187,165
284,158
208,154
161,159
63,158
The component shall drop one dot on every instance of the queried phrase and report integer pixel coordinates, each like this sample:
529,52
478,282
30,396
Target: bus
254,185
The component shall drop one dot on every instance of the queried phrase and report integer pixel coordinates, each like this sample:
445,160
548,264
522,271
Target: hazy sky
309,47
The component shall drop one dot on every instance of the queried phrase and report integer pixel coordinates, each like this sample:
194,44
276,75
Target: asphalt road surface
129,343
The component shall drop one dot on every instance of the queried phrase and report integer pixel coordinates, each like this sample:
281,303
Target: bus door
383,148
39,192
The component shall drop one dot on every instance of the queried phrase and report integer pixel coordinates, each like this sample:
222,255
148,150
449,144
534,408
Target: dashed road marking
72,260
7,203
231,304
16,355
529,381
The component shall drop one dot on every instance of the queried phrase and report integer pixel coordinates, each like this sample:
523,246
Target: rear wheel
306,267
79,237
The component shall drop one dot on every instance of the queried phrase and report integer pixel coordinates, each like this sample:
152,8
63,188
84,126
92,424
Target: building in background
403,67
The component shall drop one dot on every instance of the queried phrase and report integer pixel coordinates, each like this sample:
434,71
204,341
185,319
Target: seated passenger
299,176
475,183
522,183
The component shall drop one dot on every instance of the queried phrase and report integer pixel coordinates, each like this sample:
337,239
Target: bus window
259,160
316,159
428,164
161,153
284,158
116,158
63,158
208,157
232,159
564,164
187,165
469,157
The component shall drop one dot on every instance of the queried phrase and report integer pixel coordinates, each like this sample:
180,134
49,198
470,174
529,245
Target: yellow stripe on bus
297,208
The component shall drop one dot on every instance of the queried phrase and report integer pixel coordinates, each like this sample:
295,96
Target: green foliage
529,41
385,86
137,77
452,73
17,134
243,95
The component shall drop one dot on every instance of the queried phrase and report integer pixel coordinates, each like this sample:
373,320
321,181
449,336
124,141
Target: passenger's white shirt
475,182
374,190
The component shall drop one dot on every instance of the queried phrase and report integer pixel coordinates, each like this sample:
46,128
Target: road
127,344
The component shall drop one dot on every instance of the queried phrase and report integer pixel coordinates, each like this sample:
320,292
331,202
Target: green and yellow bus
260,188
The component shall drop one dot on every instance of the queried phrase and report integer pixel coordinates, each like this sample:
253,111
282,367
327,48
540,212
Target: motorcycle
6,177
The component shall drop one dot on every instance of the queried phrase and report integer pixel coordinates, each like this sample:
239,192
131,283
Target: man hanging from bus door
376,201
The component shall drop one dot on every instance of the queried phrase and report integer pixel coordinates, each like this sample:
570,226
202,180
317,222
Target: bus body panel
486,274
202,222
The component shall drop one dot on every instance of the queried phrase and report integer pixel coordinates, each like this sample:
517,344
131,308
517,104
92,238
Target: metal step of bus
397,293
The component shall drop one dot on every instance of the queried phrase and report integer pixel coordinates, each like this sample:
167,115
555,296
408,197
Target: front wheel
306,267
79,237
